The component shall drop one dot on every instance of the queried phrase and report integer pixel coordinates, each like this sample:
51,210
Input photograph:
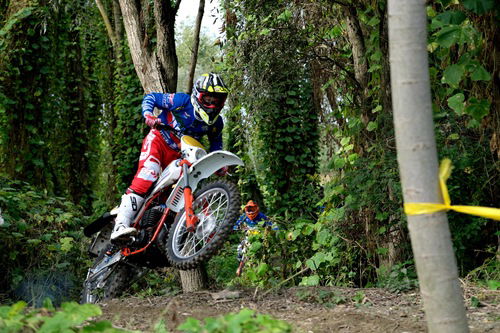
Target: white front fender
210,163
201,169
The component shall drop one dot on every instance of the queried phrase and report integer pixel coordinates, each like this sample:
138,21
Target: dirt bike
243,247
178,224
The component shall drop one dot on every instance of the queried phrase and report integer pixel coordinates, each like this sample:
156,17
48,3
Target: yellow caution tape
417,208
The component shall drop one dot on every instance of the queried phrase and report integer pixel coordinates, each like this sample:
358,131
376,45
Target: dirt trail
307,309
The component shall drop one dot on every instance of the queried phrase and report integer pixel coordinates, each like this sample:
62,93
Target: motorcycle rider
196,115
250,221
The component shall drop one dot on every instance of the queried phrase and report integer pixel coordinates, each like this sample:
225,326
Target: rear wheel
217,206
103,283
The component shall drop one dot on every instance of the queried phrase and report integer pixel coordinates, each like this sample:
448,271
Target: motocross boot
129,206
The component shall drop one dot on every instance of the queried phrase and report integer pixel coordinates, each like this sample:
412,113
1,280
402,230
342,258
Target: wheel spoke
211,208
219,204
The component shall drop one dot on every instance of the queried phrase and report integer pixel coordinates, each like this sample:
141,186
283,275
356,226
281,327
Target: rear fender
102,241
100,223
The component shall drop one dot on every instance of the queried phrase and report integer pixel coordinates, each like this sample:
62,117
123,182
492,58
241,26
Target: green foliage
398,278
359,299
44,78
275,101
208,54
41,236
222,267
328,298
457,47
156,283
474,302
130,129
71,317
306,249
245,321
263,267
479,6
368,185
362,225
488,274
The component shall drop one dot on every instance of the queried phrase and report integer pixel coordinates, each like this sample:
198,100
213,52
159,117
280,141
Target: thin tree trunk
107,24
357,40
195,279
196,43
417,158
118,31
165,55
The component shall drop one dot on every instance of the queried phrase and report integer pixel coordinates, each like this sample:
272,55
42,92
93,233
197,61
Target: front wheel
216,205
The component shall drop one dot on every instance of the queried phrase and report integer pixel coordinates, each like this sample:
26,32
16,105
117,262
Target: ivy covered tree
46,99
270,70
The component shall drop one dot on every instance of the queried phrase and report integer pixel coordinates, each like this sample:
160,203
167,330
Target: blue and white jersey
261,220
178,112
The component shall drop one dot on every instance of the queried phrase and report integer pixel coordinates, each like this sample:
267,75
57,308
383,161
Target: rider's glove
152,121
222,171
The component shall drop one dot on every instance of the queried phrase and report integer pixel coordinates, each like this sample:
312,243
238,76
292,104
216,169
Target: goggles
212,101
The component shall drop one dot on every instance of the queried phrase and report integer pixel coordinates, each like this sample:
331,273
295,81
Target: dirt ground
307,309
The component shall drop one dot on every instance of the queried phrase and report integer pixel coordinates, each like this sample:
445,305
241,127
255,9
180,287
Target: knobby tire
215,243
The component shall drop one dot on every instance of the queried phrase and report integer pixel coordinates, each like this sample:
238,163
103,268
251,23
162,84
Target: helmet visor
251,210
212,101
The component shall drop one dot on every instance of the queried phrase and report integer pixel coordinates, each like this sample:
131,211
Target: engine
148,224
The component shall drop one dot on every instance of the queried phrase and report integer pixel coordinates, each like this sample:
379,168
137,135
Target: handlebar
168,128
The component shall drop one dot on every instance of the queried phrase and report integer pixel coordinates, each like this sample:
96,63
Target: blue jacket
178,112
261,217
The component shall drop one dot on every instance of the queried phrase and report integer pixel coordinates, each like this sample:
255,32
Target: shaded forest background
309,112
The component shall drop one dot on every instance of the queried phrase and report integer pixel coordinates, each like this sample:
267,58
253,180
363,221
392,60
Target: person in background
250,221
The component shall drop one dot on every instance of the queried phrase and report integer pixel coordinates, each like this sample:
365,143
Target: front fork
191,218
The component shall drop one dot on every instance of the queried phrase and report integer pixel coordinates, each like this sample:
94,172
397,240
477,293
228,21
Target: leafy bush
312,251
246,321
41,239
400,277
222,267
267,259
157,282
328,298
72,317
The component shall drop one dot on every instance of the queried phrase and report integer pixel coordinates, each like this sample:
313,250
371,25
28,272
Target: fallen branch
283,282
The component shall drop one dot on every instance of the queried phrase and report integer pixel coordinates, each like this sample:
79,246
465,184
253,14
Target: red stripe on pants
156,155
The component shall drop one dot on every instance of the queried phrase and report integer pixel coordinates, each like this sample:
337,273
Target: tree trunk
165,55
157,71
145,63
118,21
357,41
78,186
194,279
196,43
107,24
417,158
